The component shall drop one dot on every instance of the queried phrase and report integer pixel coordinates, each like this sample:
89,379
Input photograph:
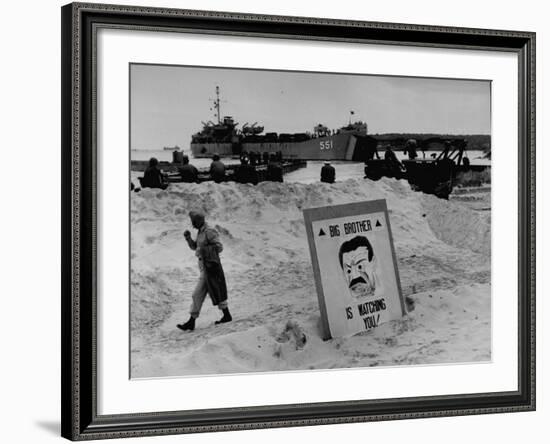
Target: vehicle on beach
433,175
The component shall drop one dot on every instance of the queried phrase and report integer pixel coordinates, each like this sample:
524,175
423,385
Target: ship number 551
325,144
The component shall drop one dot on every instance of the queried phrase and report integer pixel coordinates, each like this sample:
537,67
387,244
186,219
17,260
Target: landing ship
349,142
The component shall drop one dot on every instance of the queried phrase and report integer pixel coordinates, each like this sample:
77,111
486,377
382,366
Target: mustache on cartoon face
357,280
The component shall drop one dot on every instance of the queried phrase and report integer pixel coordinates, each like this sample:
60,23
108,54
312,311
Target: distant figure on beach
153,177
410,149
217,169
372,152
391,159
188,172
246,173
274,169
207,247
328,173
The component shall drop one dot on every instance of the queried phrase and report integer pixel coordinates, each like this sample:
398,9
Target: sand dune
443,250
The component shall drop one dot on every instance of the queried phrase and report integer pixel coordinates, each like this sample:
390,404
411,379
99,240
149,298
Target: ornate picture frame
80,175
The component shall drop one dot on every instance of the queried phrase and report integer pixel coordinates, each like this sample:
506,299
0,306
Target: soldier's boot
226,317
189,325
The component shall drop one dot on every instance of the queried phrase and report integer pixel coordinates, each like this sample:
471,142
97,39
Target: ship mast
217,104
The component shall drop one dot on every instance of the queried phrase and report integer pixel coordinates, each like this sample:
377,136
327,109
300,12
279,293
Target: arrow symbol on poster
321,232
378,224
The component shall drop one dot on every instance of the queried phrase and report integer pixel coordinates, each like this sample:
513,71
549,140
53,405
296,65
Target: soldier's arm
192,244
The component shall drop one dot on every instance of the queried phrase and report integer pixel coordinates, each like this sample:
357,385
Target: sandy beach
443,251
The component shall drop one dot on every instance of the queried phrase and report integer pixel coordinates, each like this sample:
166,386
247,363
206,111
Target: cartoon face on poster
354,266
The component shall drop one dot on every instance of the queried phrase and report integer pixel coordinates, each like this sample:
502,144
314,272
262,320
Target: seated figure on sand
217,169
153,176
246,173
328,173
188,172
274,169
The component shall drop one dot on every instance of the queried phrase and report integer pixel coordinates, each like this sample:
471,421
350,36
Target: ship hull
335,147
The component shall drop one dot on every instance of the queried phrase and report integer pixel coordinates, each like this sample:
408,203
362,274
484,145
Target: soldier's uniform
206,238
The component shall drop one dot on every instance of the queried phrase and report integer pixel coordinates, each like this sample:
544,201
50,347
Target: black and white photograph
224,165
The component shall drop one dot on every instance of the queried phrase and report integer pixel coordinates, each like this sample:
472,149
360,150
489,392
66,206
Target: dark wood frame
78,332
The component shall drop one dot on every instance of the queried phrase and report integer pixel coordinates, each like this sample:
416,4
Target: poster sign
354,267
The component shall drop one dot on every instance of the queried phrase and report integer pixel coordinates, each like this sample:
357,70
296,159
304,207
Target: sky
168,103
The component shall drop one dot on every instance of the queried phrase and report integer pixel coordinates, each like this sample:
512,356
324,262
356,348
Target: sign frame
312,215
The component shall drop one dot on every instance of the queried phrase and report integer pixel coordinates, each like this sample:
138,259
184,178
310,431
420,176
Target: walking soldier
207,247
